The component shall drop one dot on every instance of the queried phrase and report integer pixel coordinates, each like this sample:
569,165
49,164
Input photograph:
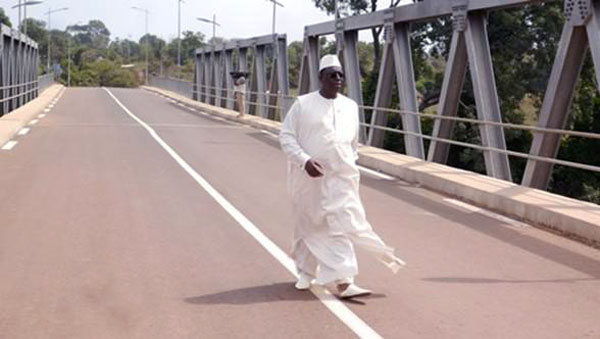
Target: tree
295,60
357,7
4,18
94,34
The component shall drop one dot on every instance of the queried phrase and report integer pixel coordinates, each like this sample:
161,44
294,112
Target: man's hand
313,168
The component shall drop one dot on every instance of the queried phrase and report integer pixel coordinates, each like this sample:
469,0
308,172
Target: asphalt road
103,234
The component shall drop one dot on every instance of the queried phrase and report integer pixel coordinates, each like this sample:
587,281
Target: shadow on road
487,226
266,294
254,295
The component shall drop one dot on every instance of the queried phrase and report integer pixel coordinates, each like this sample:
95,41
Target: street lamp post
49,14
24,5
146,12
213,22
179,36
275,4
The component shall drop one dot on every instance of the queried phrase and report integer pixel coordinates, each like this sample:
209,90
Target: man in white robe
320,138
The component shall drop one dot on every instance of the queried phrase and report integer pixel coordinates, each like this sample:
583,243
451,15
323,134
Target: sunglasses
336,75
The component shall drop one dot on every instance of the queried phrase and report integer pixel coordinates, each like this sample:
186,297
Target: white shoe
354,291
304,282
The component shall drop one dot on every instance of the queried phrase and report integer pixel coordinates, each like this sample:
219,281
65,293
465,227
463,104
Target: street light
49,14
24,6
179,36
146,12
275,4
213,22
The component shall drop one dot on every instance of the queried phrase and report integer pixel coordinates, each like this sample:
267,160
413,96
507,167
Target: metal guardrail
19,81
285,101
178,86
45,81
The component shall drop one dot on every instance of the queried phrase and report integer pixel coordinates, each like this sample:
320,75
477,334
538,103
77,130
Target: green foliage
103,72
94,34
295,60
4,19
189,43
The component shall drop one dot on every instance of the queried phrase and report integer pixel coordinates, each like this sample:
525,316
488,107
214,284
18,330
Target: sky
238,18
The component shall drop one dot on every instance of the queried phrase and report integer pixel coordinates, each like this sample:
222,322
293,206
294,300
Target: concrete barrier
569,217
12,122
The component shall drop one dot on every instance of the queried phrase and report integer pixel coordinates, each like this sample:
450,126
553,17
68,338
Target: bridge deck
103,234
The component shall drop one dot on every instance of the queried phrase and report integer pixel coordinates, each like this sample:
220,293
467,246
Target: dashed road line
357,325
34,121
9,145
23,131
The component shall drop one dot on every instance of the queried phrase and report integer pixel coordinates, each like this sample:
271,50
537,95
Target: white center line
9,145
34,121
24,131
47,110
338,308
41,115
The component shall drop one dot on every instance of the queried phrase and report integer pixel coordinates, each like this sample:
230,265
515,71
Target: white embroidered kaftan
329,216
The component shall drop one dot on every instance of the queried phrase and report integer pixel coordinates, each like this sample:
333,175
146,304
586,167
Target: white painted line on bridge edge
377,174
338,308
23,131
475,209
364,169
9,145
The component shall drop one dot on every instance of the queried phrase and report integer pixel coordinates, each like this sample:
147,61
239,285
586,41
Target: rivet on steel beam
578,15
459,15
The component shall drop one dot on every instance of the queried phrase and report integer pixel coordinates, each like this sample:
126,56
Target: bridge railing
372,126
45,81
178,86
469,51
19,81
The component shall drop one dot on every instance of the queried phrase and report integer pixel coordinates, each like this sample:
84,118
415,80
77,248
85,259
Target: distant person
320,138
239,89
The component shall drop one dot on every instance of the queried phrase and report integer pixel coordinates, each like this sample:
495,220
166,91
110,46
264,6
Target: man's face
332,79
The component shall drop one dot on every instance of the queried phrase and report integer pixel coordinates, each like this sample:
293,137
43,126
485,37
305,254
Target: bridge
156,212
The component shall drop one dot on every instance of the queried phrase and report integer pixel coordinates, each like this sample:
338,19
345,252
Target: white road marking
364,169
41,115
271,134
9,145
331,302
375,173
24,131
47,110
475,209
34,121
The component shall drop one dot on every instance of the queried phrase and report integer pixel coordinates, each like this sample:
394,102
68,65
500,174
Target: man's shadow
264,294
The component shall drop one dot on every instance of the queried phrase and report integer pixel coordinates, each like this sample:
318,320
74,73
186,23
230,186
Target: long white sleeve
288,137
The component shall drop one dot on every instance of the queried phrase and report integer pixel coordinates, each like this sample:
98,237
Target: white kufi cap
329,60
